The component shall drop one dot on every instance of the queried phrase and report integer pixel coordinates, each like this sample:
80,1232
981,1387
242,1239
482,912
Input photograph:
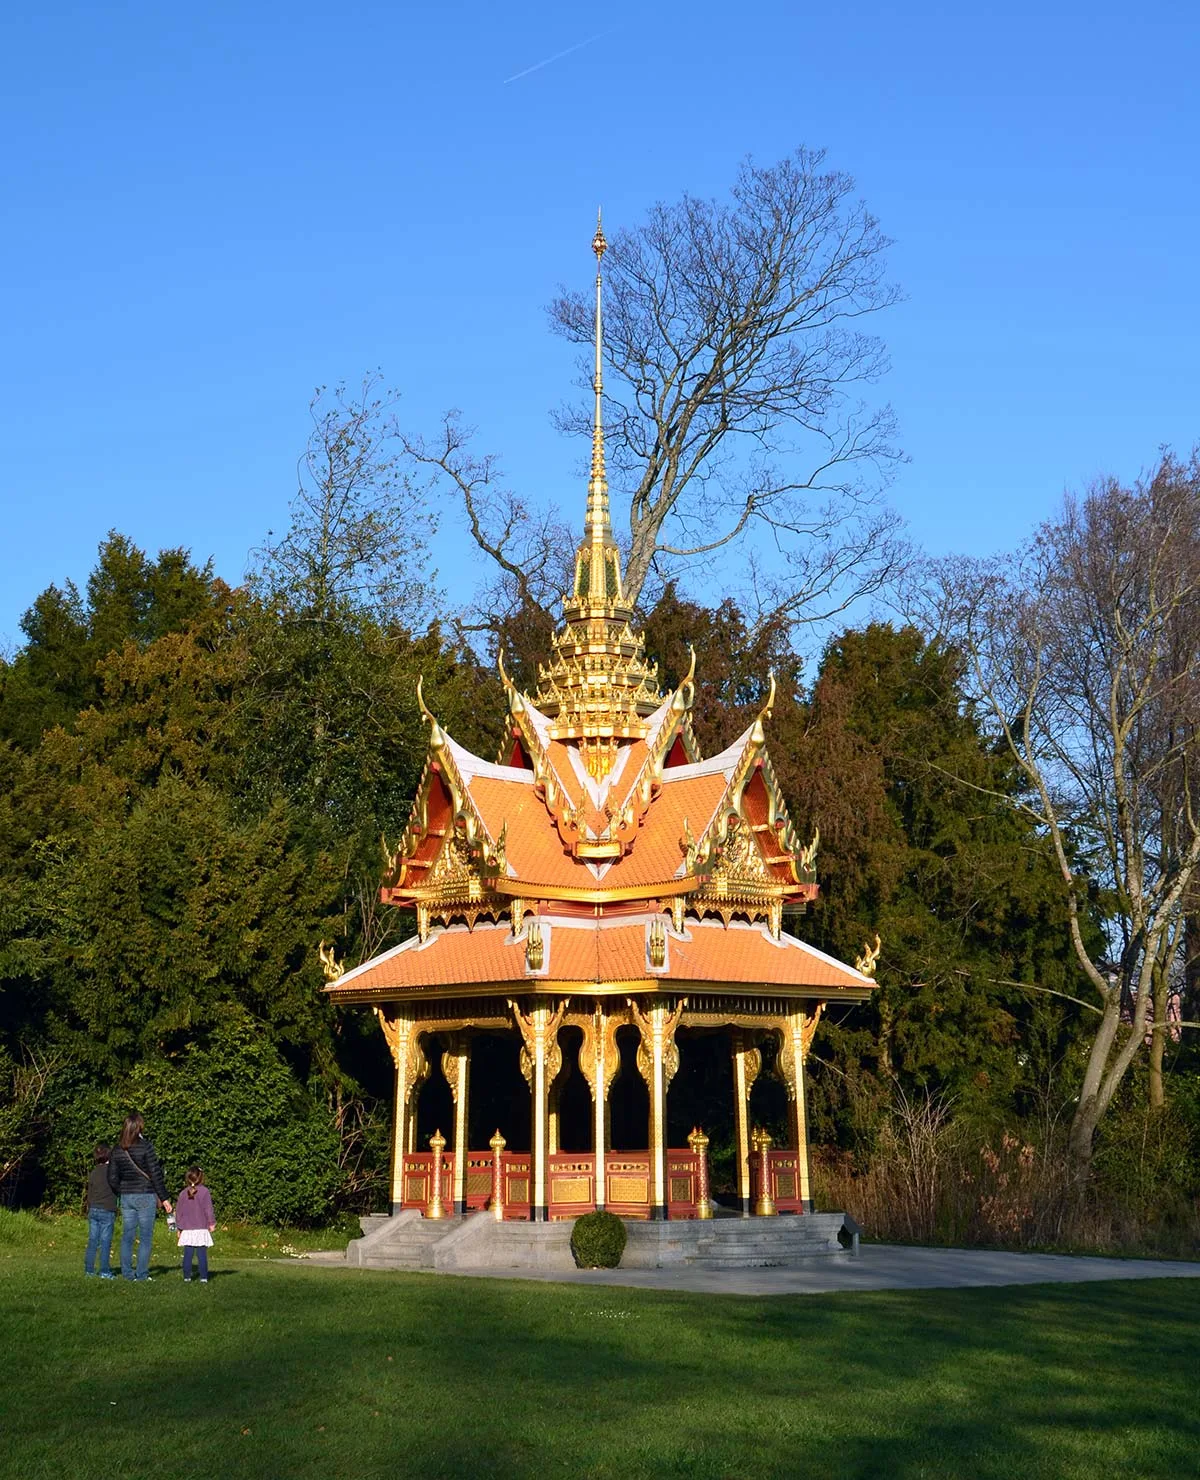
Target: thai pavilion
580,904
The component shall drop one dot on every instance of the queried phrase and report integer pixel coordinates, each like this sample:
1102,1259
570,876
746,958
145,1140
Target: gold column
411,1066
541,1059
456,1066
658,1059
797,1036
554,1108
599,1060
607,1061
747,1061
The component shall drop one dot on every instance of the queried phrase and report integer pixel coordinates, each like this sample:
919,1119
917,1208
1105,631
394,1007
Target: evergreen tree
957,884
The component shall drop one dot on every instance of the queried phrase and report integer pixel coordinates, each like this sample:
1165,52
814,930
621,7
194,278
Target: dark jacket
100,1195
137,1170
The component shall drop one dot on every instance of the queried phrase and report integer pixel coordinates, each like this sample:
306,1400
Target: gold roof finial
598,688
598,529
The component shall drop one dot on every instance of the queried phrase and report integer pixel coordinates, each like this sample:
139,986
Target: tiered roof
602,853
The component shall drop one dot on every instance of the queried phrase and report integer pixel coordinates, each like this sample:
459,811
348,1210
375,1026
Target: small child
101,1216
196,1222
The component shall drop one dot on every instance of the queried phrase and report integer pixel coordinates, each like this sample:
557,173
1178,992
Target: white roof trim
722,764
471,765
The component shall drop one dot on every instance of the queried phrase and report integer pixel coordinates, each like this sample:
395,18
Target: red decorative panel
417,1185
572,1184
479,1180
785,1181
628,1183
683,1169
518,1184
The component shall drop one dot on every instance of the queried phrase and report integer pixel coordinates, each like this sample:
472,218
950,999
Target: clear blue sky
210,209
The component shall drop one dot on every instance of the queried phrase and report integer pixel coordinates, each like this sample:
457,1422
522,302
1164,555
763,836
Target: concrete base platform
879,1267
479,1244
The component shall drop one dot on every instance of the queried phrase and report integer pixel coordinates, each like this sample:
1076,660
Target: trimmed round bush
598,1241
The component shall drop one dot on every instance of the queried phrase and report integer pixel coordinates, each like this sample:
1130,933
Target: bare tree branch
737,358
1085,651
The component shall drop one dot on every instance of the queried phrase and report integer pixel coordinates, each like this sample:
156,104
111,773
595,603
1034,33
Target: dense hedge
598,1241
268,1149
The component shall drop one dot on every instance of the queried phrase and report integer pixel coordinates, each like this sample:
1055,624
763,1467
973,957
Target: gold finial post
761,1141
498,1143
698,1142
598,525
436,1208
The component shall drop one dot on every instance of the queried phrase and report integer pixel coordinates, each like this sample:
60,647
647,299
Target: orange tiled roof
611,953
541,843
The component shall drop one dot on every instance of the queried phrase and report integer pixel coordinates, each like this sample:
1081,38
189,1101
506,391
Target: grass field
287,1369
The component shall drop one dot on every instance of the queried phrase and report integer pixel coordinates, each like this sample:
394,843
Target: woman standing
134,1172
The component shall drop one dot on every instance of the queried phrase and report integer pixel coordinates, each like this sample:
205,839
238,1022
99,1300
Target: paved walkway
878,1267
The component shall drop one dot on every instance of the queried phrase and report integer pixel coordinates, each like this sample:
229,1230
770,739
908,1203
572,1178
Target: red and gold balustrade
628,1182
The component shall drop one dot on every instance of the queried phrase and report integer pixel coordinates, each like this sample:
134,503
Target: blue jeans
137,1220
100,1237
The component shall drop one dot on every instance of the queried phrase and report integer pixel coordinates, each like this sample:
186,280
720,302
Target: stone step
430,1229
765,1241
403,1242
740,1232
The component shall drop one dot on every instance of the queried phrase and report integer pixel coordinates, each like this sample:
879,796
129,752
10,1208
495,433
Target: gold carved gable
739,859
739,881
453,872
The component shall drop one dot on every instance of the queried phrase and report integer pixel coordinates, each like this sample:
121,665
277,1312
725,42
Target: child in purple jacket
195,1220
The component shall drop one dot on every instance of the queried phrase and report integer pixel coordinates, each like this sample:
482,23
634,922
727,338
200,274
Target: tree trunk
1158,1040
1082,1136
885,1036
1191,965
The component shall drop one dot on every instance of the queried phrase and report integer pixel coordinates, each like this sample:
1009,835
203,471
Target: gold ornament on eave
332,967
867,962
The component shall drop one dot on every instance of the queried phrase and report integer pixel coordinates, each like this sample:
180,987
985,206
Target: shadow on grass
304,1373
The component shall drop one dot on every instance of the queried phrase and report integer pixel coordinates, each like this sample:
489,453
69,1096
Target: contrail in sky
557,57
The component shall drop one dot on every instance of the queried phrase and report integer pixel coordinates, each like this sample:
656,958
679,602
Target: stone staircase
410,1242
763,1243
406,1241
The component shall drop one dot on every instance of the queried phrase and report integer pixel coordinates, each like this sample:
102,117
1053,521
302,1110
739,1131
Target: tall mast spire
598,528
598,689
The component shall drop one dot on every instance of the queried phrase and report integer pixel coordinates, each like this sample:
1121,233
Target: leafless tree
359,528
1085,649
530,549
734,403
21,1110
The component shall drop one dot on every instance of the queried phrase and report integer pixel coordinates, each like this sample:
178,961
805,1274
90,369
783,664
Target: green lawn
288,1369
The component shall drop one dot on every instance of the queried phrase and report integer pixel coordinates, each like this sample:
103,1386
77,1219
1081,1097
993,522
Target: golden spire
598,562
597,526
598,689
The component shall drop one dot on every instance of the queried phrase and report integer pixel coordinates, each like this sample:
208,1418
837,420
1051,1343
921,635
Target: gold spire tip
599,244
